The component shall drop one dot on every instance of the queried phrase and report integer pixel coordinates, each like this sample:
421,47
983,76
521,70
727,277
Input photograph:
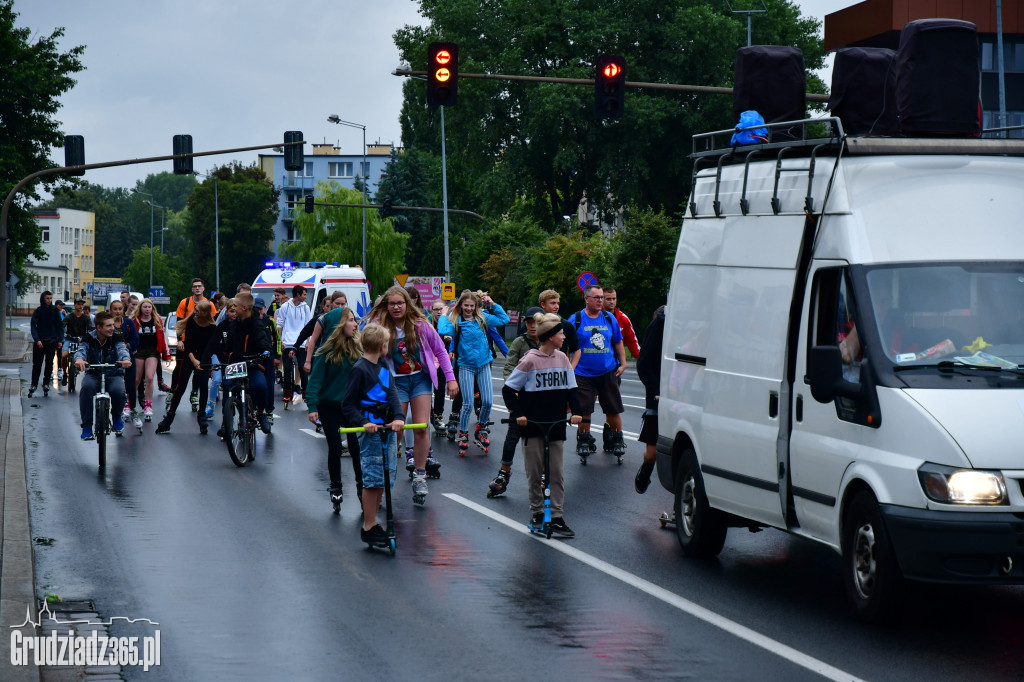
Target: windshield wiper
947,366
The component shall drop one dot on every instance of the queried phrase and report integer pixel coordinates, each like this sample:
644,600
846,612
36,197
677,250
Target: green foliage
168,189
34,76
538,146
637,261
335,234
247,208
414,179
167,272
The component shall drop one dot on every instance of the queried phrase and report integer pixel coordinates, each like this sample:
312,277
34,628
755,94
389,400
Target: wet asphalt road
251,576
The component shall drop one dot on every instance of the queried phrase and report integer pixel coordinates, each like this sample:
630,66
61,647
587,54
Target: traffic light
309,203
293,160
442,74
74,152
183,145
609,86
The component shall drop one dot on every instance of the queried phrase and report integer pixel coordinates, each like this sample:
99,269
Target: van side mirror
825,372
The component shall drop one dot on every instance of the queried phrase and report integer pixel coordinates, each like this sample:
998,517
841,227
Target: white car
171,334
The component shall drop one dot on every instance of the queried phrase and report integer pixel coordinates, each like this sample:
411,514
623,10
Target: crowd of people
399,362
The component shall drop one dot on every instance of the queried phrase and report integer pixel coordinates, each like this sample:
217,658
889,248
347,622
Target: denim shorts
410,386
372,460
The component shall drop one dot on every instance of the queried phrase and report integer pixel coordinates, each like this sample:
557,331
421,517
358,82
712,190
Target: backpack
578,317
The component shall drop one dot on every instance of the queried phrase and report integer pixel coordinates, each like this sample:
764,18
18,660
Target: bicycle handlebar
584,420
361,429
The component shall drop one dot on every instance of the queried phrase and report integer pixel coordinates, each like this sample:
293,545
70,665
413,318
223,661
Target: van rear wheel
699,528
871,573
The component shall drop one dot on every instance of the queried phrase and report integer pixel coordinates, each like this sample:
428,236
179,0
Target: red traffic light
611,70
442,74
609,86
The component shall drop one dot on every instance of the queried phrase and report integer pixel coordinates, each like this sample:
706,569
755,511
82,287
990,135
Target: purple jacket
437,355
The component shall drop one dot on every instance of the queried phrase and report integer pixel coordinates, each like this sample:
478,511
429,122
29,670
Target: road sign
448,291
156,292
160,300
402,279
586,280
89,287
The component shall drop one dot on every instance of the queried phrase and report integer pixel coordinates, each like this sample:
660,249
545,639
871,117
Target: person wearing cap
536,394
521,345
76,325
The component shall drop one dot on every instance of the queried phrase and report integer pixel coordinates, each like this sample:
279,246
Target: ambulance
843,354
319,278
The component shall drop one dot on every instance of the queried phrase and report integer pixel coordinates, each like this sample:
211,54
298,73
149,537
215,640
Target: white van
906,257
319,278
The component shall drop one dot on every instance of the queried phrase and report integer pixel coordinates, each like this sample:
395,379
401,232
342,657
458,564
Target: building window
339,169
365,172
46,235
76,276
307,171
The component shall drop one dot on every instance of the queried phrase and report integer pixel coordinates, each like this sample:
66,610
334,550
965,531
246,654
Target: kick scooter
545,482
389,514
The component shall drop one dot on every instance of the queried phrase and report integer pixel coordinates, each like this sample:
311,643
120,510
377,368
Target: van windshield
964,313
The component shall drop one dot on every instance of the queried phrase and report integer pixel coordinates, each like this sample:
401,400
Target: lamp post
216,227
163,212
151,222
333,118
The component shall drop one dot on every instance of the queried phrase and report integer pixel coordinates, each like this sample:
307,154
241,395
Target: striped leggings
482,377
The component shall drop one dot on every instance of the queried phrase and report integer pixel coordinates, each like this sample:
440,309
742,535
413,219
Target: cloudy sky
231,73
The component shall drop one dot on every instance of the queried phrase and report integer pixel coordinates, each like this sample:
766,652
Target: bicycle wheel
236,436
72,377
251,425
101,422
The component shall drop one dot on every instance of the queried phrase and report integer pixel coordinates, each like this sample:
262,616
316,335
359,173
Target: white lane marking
670,598
312,432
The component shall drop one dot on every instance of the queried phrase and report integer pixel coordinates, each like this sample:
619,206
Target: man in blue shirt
602,362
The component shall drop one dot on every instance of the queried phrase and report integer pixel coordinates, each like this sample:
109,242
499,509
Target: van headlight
962,486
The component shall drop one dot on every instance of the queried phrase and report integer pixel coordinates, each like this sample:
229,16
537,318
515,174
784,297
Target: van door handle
773,405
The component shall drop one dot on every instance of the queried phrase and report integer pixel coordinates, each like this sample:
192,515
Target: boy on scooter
537,391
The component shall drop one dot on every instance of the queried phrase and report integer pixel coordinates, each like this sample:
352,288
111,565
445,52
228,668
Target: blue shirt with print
597,338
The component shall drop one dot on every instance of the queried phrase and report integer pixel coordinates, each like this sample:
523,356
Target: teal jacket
327,383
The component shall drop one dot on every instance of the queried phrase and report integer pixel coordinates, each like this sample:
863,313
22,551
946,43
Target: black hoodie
46,323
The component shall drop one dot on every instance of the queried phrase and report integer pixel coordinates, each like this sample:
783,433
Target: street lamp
333,118
216,225
163,214
151,222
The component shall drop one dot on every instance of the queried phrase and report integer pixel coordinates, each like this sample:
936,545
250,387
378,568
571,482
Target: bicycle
239,410
101,424
72,371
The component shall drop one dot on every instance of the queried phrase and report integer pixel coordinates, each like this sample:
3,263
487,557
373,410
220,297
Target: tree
247,205
539,144
167,272
335,234
34,75
413,179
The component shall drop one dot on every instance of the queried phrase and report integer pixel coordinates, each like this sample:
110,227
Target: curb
17,574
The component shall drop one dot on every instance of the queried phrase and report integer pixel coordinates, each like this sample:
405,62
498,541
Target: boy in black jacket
371,401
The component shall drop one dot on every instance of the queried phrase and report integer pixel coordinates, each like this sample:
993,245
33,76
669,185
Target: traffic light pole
444,200
5,212
425,209
705,89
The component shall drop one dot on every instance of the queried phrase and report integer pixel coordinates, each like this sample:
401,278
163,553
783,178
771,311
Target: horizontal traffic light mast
676,87
425,209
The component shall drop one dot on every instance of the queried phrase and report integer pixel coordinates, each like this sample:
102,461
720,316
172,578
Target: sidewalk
17,581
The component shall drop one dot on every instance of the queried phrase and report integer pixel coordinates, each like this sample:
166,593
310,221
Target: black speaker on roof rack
770,80
938,79
864,91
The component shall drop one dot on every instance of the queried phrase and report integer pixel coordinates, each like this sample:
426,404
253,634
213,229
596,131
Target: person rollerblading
433,466
585,446
193,398
452,428
410,463
336,496
500,483
482,437
419,487
147,410
437,424
618,445
463,443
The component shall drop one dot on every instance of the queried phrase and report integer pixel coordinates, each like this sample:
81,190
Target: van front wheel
699,528
870,572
